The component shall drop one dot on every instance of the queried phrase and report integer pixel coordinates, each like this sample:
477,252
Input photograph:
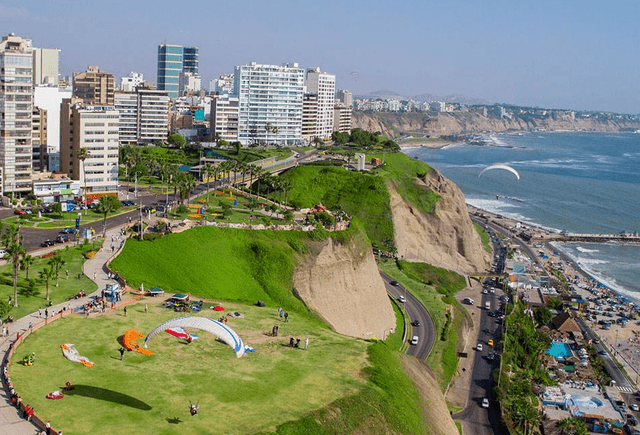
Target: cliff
464,123
343,285
445,238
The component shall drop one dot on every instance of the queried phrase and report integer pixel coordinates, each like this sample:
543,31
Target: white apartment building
224,117
310,117
50,98
144,116
95,128
16,105
127,104
342,118
131,82
56,190
324,86
46,66
222,85
189,83
269,95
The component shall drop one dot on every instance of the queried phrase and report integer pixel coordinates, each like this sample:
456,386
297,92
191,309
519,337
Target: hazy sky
582,55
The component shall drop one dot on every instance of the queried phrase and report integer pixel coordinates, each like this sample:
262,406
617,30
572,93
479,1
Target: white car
402,299
479,347
415,339
2,253
484,291
485,403
634,407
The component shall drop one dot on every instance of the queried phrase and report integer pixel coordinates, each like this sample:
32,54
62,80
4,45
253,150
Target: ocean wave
591,261
585,250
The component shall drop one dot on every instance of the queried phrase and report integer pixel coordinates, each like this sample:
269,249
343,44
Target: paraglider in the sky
219,329
500,166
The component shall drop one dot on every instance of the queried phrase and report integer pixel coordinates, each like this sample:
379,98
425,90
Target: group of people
5,331
283,314
295,342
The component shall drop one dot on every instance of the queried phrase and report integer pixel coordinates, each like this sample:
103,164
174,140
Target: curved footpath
10,421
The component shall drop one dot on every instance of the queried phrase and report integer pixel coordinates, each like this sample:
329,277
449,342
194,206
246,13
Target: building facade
190,83
126,103
269,95
94,87
131,82
323,85
309,117
345,97
224,117
16,106
144,116
95,128
38,139
169,68
342,118
190,60
46,66
50,98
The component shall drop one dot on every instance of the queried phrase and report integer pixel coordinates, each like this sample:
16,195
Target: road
416,311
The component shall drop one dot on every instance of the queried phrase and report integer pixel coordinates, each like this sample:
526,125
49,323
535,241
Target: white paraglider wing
220,330
500,166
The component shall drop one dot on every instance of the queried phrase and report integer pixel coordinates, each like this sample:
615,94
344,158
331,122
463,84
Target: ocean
579,182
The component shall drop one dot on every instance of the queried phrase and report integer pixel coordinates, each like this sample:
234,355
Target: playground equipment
128,341
71,353
29,359
220,330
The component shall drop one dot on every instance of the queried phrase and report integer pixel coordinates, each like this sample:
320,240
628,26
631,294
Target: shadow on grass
107,395
174,420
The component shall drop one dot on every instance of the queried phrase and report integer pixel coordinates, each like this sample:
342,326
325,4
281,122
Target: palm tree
45,276
255,172
83,154
187,183
108,204
12,240
56,264
26,263
317,141
208,170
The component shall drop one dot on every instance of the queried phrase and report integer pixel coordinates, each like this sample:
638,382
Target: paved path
10,421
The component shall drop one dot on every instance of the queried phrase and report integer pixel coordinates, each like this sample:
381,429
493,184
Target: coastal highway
415,310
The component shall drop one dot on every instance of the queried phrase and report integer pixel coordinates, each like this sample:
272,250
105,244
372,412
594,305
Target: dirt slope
436,414
343,285
444,239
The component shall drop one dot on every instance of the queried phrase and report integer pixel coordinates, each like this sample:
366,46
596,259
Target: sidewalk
10,421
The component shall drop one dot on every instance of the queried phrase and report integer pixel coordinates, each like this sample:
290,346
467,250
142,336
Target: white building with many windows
131,82
16,106
323,85
95,128
270,103
224,118
144,116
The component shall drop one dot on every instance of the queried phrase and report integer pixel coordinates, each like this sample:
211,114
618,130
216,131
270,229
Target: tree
237,146
542,315
45,276
223,143
177,140
56,263
26,263
108,204
12,241
186,183
207,171
317,141
83,154
254,171
339,137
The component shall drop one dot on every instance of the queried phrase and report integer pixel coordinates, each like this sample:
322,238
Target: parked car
479,347
62,238
67,230
47,242
490,342
415,339
485,403
2,253
634,407
632,420
18,211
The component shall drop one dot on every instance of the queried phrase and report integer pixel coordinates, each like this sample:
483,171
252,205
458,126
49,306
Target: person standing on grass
280,312
121,353
286,316
306,343
125,311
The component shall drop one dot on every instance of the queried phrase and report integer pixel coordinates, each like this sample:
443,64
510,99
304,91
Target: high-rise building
224,117
38,138
190,60
222,85
96,129
323,85
309,117
269,96
16,106
50,98
342,117
131,82
46,66
94,87
169,68
144,116
345,97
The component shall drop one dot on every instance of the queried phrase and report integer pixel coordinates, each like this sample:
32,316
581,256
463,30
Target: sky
579,55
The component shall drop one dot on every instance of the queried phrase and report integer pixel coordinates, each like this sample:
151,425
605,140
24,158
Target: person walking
40,312
125,311
146,309
286,316
121,353
46,313
306,343
280,312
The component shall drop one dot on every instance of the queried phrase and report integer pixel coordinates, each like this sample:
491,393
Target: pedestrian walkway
96,269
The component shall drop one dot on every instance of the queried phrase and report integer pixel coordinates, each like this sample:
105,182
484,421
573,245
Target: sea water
579,182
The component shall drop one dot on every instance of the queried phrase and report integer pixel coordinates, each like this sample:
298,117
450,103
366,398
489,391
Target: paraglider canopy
500,166
220,330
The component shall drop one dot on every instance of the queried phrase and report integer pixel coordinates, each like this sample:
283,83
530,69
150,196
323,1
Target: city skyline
574,55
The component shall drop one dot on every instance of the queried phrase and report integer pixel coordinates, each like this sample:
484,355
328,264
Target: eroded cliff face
446,238
447,124
343,285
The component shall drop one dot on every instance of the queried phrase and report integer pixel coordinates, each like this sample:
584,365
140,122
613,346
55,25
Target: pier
585,237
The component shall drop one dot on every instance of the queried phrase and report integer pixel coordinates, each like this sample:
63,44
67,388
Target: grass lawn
65,219
31,295
362,196
486,242
151,394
